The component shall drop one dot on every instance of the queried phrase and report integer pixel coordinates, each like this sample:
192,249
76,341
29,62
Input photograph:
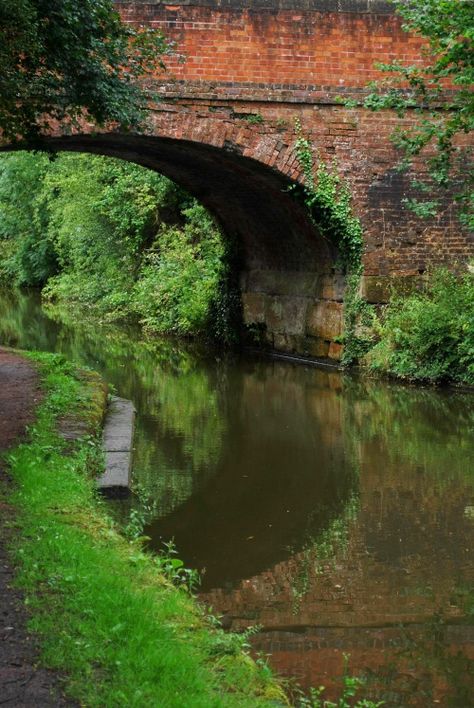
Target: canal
334,512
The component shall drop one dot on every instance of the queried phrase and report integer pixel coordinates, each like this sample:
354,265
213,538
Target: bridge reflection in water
336,513
339,519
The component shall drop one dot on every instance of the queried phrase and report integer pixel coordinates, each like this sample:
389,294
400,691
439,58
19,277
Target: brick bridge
224,129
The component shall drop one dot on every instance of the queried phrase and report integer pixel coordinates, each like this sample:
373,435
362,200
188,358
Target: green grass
106,615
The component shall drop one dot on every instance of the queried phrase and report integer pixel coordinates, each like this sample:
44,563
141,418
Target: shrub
429,335
117,238
180,276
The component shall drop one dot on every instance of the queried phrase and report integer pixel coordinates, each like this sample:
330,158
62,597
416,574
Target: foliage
60,61
165,294
254,118
442,115
359,336
116,238
104,610
429,335
31,258
328,200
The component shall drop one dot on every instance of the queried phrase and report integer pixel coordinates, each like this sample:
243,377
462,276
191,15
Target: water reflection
175,394
282,478
336,512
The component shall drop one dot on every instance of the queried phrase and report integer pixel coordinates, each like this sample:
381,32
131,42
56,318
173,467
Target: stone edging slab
117,442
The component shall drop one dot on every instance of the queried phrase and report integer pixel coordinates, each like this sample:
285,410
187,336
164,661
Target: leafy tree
27,256
117,238
440,93
61,59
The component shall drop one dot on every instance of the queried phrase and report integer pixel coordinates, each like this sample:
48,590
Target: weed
429,335
253,118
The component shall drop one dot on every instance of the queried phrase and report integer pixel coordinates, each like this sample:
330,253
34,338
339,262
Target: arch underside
286,267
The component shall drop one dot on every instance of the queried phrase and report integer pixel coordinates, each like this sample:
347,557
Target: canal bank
108,615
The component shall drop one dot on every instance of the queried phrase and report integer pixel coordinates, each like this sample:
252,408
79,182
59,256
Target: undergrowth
118,240
429,335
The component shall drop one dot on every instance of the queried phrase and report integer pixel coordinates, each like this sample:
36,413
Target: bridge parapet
304,51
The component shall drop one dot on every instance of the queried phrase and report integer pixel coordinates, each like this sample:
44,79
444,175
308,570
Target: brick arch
287,268
241,175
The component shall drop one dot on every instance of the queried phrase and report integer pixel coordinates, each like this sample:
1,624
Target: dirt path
21,682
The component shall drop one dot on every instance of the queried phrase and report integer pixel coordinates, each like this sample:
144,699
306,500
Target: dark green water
336,513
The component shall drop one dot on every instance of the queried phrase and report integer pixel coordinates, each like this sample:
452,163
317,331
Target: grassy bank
106,613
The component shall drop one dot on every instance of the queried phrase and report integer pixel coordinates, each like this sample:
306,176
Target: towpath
22,683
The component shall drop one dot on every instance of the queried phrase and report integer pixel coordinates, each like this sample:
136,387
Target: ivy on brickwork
328,199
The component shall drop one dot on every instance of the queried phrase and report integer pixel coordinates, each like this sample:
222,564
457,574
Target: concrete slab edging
118,446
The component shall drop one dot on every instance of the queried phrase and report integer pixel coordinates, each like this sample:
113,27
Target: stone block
375,288
378,289
317,347
333,287
325,320
279,343
284,282
118,470
253,308
335,351
286,315
117,443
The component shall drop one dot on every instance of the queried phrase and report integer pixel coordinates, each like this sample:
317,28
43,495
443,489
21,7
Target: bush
117,238
180,276
429,335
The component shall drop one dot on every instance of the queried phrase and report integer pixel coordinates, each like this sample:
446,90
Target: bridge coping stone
376,7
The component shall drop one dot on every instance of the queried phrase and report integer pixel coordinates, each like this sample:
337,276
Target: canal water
334,512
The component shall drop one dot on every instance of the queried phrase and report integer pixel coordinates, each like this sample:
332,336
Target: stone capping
374,7
117,442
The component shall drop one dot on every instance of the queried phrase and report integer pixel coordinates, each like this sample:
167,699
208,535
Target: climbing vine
329,202
359,318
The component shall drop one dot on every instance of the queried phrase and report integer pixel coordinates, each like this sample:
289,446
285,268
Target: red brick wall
234,59
302,52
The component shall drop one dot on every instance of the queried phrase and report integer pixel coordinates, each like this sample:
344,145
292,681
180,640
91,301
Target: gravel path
22,683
